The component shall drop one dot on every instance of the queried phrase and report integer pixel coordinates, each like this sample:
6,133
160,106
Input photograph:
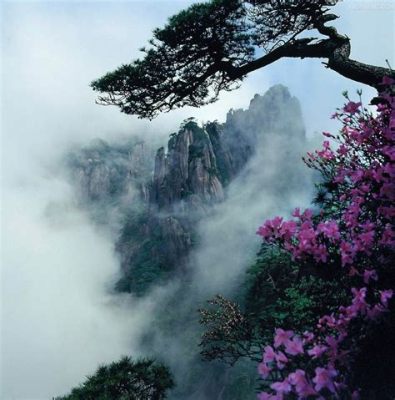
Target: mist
59,320
60,316
228,240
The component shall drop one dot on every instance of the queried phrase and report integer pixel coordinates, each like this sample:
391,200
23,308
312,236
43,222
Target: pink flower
386,295
342,150
281,337
275,222
302,387
308,336
306,238
281,360
388,190
269,355
347,253
324,379
359,299
296,213
294,346
390,152
264,370
327,320
317,351
375,311
288,229
351,107
388,212
270,228
361,173
281,387
326,154
333,345
369,274
357,175
330,229
320,253
298,377
307,214
367,238
388,236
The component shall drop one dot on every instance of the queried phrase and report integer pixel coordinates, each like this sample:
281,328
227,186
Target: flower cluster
355,232
302,238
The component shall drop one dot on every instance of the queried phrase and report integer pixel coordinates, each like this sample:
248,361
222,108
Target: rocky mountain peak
174,188
188,169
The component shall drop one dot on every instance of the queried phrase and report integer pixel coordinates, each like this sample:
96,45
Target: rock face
187,172
105,175
163,196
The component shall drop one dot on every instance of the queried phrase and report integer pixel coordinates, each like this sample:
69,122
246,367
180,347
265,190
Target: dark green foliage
211,46
148,258
241,381
280,293
374,367
306,300
176,316
181,65
125,380
277,293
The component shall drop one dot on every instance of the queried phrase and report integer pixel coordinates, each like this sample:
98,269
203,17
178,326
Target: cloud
59,319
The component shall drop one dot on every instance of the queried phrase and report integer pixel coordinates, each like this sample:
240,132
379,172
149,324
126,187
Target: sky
56,266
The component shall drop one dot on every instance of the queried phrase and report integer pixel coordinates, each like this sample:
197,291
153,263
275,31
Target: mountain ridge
169,194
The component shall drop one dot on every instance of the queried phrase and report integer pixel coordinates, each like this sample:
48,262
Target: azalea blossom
352,107
281,337
264,370
324,379
357,234
281,387
294,346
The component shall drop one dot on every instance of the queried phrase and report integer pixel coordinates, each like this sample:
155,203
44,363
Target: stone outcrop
103,173
164,195
188,171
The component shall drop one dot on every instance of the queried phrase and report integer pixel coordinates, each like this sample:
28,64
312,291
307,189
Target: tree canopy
212,46
125,380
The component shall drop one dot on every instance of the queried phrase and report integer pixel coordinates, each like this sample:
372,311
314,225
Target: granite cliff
160,198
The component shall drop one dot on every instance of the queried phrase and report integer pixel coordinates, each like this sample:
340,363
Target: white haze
58,320
228,239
